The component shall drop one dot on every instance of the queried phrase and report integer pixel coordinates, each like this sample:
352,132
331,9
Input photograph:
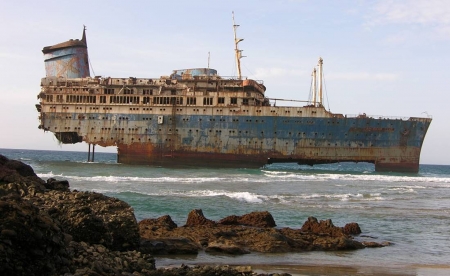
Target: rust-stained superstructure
194,116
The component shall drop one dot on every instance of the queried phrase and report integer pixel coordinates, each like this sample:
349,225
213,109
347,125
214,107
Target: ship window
233,100
207,101
245,101
127,91
173,92
146,100
147,91
191,101
108,91
221,100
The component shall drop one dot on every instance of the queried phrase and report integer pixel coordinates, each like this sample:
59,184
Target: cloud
265,73
281,73
412,11
434,14
362,76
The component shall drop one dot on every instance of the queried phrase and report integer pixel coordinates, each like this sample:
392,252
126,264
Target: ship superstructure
196,117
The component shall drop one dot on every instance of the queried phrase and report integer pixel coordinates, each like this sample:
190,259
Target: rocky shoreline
47,229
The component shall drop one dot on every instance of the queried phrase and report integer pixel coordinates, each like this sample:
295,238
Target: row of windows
80,99
137,99
126,91
166,100
124,99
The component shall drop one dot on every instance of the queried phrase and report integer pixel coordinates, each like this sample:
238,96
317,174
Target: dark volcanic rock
31,243
99,260
17,167
240,239
164,221
257,219
196,218
352,229
372,244
53,184
18,178
39,220
166,246
93,218
207,270
227,248
324,227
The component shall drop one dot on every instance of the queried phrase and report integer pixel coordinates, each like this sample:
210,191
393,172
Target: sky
381,57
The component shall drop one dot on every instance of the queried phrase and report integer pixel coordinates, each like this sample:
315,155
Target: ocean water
412,211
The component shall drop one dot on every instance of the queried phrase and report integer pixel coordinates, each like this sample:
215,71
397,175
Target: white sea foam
48,175
241,196
116,179
269,177
353,177
403,190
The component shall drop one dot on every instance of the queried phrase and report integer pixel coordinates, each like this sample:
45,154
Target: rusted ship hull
146,154
233,138
196,117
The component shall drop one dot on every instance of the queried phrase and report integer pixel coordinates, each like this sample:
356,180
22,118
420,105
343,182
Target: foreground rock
46,229
233,235
31,242
92,218
256,219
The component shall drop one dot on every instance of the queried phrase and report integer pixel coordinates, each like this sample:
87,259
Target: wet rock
31,242
99,260
226,248
244,269
257,219
166,246
239,239
53,184
196,218
164,221
352,229
372,244
92,218
18,178
324,227
206,270
47,230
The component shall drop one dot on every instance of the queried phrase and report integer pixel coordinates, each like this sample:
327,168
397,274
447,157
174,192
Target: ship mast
320,81
314,86
238,52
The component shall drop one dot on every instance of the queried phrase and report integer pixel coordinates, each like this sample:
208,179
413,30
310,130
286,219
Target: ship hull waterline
145,154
